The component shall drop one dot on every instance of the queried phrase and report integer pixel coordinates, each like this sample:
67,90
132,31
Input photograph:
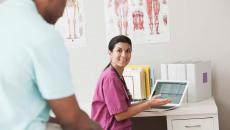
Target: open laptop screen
171,90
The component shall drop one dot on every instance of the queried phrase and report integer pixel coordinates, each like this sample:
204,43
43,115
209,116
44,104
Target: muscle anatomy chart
71,24
145,21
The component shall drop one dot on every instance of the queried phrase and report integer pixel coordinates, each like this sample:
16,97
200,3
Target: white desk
190,116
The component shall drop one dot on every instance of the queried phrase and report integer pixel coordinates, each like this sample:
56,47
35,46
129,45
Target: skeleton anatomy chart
71,24
144,21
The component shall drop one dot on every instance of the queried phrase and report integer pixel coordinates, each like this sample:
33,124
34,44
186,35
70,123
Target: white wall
200,30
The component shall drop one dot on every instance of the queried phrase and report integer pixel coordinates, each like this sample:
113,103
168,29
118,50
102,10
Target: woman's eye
128,51
119,50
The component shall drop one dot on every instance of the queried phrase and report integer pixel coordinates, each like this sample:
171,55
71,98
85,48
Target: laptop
173,89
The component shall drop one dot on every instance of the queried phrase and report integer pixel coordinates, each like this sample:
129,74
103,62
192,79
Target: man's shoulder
45,30
45,34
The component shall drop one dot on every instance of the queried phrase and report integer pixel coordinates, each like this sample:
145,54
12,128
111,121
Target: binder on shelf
164,71
199,75
172,71
152,79
181,71
135,81
146,69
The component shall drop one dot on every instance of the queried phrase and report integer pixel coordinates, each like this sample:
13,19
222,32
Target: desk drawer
193,124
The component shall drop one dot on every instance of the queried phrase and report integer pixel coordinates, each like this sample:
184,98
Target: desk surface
202,107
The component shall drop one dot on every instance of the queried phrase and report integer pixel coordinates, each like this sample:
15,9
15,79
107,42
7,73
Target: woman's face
121,55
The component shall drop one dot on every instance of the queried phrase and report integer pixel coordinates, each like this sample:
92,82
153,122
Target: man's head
50,10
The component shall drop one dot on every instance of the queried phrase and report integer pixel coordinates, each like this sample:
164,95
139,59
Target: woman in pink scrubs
111,102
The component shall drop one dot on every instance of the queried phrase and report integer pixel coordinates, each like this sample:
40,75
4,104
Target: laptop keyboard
164,107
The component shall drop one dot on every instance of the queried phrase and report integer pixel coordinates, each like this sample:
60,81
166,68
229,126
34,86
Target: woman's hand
156,101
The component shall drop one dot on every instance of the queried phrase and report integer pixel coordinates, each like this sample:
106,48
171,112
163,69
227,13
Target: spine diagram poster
144,21
71,24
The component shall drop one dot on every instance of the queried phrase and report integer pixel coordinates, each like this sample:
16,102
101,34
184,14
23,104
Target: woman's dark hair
117,39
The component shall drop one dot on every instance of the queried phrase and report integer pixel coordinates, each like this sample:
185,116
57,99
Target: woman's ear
110,53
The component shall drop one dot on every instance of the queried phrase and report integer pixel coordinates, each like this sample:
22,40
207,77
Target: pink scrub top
109,99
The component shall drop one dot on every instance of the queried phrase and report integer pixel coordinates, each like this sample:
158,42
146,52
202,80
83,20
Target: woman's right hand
156,101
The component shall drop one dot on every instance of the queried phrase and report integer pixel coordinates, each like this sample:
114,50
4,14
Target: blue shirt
34,67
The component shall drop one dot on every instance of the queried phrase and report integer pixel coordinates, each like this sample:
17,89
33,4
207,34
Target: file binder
135,81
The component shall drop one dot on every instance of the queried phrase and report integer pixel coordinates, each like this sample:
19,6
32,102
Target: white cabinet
190,116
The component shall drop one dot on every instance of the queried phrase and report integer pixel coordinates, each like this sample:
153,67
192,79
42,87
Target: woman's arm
137,108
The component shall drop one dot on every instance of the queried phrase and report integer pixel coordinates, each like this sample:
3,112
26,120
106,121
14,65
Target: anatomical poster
72,24
144,21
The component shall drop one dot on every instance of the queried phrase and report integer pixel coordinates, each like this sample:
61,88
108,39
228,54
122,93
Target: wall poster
144,21
71,25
